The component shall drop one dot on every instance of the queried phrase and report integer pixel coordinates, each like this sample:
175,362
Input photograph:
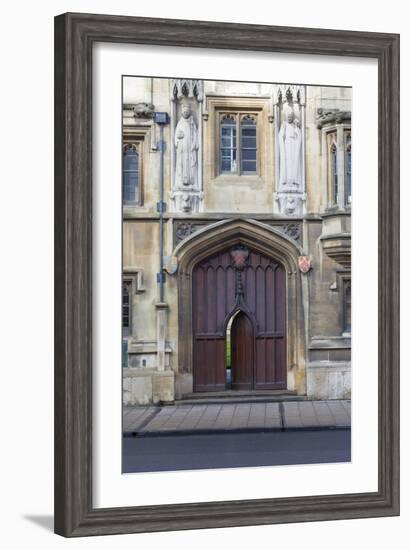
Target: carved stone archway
267,240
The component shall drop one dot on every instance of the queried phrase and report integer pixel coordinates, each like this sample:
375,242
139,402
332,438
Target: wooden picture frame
75,35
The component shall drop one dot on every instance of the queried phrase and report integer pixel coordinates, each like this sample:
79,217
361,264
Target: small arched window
228,148
248,145
131,174
334,190
348,182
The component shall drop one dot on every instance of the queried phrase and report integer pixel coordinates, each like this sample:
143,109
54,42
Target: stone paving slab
135,416
316,414
243,416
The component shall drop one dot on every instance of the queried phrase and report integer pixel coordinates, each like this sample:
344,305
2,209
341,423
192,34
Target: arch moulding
261,238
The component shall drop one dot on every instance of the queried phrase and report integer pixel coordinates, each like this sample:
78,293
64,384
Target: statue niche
290,152
186,149
186,193
289,198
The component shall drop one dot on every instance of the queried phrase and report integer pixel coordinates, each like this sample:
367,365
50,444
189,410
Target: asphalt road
230,450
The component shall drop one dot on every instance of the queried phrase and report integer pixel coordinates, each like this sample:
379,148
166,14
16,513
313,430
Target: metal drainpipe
161,119
160,208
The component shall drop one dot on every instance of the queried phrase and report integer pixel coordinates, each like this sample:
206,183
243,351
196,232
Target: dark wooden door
219,289
242,344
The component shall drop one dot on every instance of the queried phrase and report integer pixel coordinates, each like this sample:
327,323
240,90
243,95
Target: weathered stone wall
326,372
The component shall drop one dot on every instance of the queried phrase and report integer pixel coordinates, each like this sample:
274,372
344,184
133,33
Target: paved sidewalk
201,418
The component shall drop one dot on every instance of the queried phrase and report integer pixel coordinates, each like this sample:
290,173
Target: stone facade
295,199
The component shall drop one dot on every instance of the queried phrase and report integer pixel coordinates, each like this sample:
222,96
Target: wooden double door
245,291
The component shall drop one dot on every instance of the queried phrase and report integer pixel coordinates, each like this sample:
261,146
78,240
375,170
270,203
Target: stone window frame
216,106
126,283
133,277
347,326
136,147
347,143
135,136
239,116
332,177
344,278
340,131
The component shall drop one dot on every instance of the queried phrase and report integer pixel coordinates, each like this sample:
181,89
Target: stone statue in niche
186,149
290,151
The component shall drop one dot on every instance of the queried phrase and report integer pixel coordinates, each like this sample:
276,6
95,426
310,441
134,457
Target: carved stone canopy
332,116
289,93
190,88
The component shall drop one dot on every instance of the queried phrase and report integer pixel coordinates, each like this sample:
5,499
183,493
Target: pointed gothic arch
242,351
260,238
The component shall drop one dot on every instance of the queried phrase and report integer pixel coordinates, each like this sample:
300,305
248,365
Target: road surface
230,450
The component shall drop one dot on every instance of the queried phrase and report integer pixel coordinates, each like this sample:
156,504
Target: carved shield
305,263
239,257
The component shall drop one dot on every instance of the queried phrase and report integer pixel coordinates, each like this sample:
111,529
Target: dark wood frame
74,38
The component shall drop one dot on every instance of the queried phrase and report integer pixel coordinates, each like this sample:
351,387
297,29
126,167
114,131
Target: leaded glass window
131,173
248,145
348,181
126,308
347,306
238,144
228,145
333,174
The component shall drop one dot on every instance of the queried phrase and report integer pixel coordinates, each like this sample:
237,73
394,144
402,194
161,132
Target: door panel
215,297
242,342
209,373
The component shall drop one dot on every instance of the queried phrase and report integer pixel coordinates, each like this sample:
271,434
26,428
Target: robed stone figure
290,152
186,149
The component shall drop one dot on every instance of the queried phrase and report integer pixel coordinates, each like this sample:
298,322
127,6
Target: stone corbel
144,110
290,203
332,116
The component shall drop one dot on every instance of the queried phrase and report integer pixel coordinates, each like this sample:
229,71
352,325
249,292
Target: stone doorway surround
267,240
